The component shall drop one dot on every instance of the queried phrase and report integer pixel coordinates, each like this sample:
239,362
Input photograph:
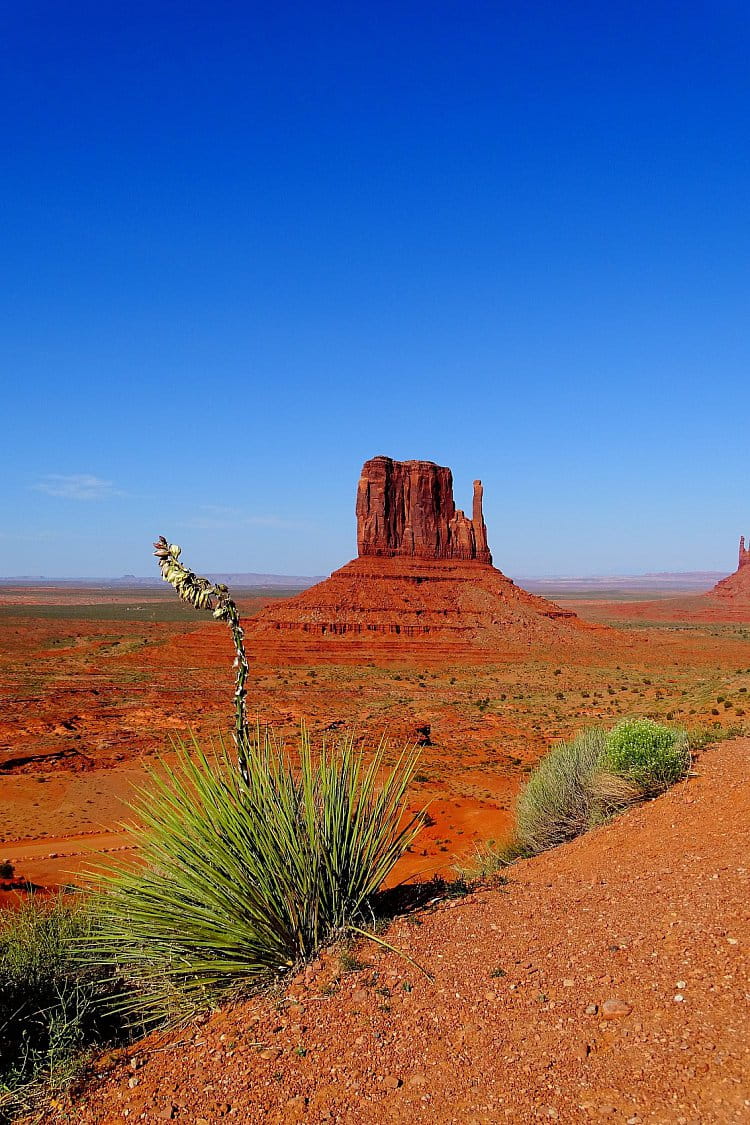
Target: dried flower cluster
199,592
204,594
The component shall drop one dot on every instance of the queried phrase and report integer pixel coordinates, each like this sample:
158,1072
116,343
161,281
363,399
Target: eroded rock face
406,508
736,586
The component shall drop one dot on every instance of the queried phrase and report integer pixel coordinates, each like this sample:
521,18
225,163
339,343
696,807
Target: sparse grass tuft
557,802
700,737
50,1006
488,861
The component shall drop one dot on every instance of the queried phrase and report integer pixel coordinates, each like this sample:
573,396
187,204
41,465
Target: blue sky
246,247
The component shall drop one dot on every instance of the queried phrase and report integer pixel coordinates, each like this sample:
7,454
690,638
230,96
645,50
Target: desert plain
96,681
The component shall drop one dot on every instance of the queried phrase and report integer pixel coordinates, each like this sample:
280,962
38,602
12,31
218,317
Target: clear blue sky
247,246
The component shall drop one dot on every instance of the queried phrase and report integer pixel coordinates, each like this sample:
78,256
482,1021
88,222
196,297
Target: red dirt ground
646,916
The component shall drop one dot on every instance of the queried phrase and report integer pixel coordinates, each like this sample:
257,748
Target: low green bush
244,877
651,755
50,1005
583,782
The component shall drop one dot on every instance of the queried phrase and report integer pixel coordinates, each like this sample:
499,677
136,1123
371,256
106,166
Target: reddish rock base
447,604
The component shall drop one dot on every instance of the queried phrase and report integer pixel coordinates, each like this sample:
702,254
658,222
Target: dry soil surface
606,980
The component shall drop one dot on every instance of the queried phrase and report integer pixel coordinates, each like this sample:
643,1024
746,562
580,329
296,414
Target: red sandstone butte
406,508
736,586
423,580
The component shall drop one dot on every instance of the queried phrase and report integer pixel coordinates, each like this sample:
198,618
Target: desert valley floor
95,682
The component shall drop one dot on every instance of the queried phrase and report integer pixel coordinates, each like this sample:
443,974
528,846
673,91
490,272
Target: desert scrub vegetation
244,876
583,782
52,1008
248,861
651,755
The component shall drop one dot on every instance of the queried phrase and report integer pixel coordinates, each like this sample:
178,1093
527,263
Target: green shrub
243,879
651,755
581,783
50,1006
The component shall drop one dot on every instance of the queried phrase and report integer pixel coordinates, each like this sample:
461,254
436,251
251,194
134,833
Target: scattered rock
616,1009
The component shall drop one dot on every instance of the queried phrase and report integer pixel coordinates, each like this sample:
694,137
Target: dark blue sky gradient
246,247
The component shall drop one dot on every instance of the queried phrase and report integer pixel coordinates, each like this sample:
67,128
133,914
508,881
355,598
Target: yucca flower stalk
214,596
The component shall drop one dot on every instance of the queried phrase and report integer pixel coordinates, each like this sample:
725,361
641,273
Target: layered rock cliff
406,508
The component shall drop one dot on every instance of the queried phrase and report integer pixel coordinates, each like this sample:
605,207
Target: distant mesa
736,586
423,577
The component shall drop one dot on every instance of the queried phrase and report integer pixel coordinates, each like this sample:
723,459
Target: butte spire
736,587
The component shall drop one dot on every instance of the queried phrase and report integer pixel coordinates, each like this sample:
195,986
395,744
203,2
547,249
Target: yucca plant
243,877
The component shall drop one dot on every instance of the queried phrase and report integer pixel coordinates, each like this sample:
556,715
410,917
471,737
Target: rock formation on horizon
423,576
737,585
407,508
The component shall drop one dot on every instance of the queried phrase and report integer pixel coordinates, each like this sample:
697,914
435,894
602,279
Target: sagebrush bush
583,782
243,877
51,1007
650,754
556,803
